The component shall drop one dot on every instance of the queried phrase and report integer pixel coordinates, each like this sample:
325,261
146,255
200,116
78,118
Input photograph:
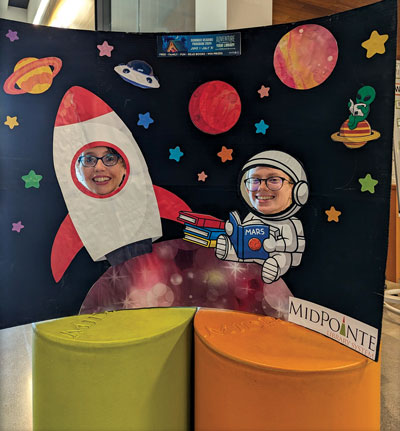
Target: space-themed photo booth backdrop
232,169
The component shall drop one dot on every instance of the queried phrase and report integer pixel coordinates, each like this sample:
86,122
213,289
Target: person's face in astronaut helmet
269,189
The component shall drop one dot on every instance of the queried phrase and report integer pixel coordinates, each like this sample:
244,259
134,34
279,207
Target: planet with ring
32,75
357,137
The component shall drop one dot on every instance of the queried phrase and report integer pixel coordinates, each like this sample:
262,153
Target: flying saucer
139,73
355,138
32,75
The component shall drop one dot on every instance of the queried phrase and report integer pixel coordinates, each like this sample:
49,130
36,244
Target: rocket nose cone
79,104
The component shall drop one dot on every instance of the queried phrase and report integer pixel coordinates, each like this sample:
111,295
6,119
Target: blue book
248,240
206,232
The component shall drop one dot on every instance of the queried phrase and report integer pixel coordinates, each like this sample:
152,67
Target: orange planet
357,137
32,75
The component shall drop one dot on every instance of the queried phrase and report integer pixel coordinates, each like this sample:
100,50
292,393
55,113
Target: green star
32,180
368,184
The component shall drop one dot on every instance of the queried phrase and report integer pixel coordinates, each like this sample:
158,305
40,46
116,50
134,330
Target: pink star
12,35
105,49
202,176
264,91
17,226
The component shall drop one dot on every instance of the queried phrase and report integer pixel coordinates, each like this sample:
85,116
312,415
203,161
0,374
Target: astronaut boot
222,246
270,270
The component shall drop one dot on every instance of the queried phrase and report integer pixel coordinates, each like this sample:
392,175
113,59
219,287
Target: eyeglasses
90,161
273,183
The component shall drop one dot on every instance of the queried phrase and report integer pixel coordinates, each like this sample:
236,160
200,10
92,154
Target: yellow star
11,122
333,214
375,44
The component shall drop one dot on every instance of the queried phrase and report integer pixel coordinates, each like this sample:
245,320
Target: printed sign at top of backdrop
245,170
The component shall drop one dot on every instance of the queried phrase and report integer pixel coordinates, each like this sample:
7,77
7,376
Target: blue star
145,120
261,127
175,153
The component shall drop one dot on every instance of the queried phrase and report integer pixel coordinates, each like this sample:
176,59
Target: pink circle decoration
305,56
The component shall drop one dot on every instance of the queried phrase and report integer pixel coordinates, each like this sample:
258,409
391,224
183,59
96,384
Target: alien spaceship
139,73
32,75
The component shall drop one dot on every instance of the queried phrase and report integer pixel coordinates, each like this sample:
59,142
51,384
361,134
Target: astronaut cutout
274,186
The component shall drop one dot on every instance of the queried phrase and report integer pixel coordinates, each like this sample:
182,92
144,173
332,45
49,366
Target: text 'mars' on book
248,239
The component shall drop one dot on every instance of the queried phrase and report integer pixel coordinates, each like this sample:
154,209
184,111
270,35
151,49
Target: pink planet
305,56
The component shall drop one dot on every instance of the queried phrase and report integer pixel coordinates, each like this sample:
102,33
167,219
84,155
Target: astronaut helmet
287,164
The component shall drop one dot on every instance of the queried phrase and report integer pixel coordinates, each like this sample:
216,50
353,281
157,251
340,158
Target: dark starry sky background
344,263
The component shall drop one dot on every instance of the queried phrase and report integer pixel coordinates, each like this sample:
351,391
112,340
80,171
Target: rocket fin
66,245
169,204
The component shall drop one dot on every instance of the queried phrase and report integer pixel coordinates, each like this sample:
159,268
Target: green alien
359,111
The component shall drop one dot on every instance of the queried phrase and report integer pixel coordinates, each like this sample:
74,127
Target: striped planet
357,137
32,75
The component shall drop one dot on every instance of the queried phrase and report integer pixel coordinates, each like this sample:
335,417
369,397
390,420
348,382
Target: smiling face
101,179
267,201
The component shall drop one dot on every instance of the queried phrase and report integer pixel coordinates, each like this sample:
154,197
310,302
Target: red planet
215,107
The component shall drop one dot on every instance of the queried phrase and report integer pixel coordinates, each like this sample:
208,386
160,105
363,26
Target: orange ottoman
259,373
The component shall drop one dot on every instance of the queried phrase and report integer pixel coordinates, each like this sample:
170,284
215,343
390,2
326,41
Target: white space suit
286,242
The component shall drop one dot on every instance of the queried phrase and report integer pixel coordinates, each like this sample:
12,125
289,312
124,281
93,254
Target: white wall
13,13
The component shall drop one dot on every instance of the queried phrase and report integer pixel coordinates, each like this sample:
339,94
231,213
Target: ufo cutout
139,73
357,137
32,75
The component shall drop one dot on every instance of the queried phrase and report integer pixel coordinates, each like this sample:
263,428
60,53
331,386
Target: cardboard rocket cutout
103,223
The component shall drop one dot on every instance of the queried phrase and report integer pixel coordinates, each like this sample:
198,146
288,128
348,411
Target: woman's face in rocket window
101,170
269,189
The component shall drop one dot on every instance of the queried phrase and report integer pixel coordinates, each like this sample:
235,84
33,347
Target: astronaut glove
269,244
221,248
228,228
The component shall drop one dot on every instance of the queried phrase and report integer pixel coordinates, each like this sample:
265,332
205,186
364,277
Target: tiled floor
16,372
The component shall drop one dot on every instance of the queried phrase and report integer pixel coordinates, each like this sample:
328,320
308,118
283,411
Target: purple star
105,49
17,226
12,35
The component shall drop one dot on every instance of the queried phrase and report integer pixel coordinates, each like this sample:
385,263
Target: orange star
264,91
225,154
333,214
202,176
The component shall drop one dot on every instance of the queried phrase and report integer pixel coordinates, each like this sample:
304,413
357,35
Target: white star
128,302
114,277
235,268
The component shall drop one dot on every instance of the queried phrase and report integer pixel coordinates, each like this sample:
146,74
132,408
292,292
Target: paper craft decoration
200,120
138,73
126,216
269,235
32,75
214,107
201,220
355,132
247,240
305,56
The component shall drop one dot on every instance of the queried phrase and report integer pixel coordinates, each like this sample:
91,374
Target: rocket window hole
100,169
